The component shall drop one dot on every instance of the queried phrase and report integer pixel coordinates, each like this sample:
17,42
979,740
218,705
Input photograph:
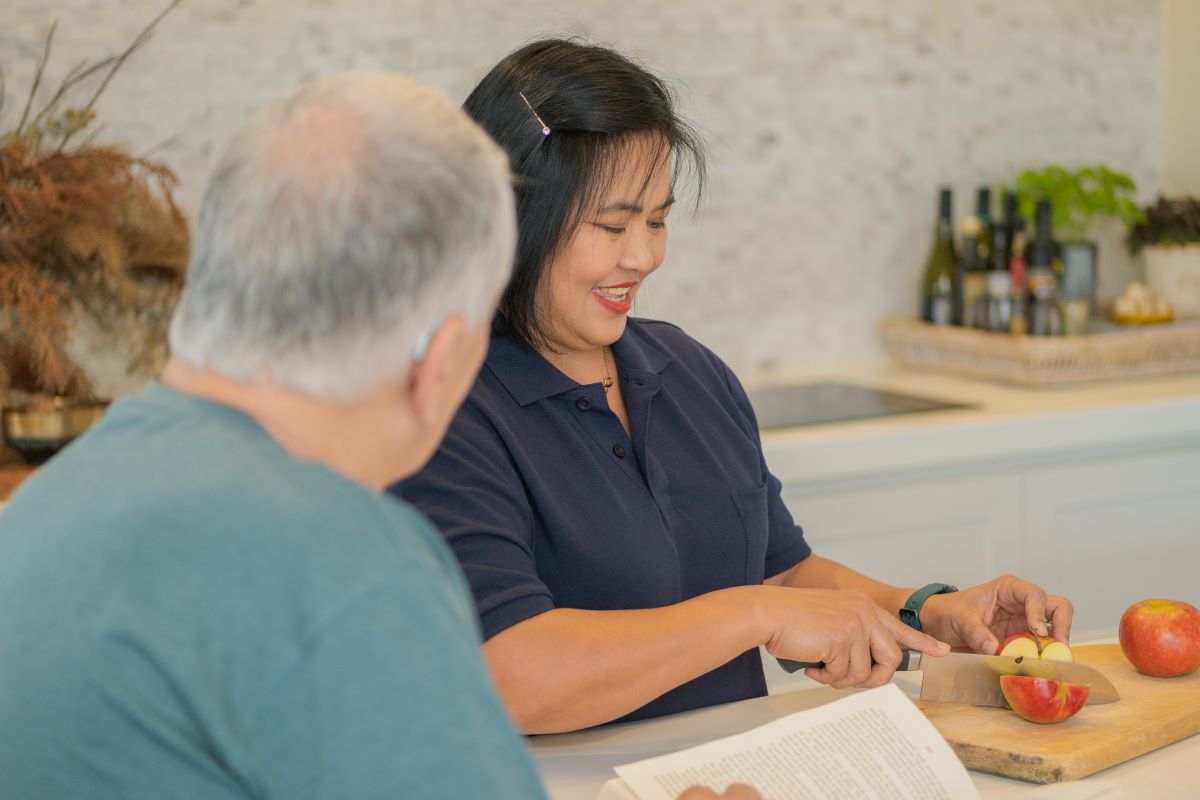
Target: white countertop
1009,425
574,766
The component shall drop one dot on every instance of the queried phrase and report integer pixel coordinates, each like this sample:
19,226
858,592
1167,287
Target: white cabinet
1102,531
1092,491
962,531
1109,533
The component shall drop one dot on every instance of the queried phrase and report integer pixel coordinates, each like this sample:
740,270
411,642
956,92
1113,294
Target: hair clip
542,122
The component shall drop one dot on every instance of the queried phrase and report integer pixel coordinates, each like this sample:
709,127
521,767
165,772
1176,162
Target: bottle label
1041,282
974,289
1017,268
941,311
999,284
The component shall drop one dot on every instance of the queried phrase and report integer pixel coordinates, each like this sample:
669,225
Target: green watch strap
910,615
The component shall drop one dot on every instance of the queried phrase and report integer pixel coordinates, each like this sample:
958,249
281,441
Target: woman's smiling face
591,282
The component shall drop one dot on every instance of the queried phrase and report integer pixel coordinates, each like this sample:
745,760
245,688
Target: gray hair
338,230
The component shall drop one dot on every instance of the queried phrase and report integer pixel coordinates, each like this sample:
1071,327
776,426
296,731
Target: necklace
608,381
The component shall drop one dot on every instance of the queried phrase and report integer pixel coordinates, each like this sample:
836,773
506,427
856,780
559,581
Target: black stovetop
818,403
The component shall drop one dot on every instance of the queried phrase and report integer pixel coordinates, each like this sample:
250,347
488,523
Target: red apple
1043,699
1161,637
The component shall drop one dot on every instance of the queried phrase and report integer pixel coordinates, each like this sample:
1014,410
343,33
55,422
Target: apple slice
1054,650
1043,700
1020,645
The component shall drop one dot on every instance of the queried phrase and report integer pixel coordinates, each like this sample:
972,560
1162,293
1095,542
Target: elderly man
206,596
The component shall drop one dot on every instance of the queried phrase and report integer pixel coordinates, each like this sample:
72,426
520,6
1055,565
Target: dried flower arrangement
84,230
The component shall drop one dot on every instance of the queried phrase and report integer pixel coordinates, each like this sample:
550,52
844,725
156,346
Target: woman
603,486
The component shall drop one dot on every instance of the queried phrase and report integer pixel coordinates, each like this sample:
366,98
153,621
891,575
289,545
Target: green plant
1079,196
1167,222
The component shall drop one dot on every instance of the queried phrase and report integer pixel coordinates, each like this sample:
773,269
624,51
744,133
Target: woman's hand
983,616
736,791
859,642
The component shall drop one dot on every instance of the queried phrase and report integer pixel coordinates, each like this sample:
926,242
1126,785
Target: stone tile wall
831,122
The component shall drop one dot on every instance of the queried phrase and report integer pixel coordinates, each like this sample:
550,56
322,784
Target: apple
1043,700
1161,637
1054,650
1020,645
1028,645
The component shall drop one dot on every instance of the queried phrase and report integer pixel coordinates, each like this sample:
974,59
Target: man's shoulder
211,487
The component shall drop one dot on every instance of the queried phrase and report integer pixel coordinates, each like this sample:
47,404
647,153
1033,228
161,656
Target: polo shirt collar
529,377
637,353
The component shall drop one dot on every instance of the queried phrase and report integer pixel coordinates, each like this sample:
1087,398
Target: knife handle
910,660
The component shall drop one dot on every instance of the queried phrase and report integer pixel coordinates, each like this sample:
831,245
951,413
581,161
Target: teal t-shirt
188,612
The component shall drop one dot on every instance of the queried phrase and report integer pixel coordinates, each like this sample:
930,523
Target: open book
874,744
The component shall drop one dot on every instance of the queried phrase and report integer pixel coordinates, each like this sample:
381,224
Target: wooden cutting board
1151,713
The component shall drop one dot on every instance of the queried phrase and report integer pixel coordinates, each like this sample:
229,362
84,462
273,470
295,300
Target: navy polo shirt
549,504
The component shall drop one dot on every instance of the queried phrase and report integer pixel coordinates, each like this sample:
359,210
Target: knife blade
975,679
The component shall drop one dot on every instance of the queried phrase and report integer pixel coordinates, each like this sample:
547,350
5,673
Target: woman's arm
567,669
978,617
816,572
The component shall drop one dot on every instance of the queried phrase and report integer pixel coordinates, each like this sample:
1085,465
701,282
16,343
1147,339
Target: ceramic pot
1174,273
39,430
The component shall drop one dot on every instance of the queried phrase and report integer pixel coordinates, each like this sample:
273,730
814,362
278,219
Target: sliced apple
1054,650
1019,645
1043,700
1027,645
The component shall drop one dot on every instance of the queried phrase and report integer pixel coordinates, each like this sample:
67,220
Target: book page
874,744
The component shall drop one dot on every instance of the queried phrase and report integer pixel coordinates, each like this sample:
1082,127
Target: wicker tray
1112,352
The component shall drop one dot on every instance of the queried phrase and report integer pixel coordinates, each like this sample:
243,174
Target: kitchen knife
975,679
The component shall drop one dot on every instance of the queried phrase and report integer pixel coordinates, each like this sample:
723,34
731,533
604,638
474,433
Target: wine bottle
1043,312
1016,264
995,307
1018,320
940,290
987,227
976,253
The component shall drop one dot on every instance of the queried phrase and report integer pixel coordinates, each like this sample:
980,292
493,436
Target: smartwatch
910,614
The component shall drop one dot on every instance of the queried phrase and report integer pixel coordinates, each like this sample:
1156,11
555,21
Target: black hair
594,101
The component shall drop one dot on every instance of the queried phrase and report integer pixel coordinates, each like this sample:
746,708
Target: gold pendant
607,382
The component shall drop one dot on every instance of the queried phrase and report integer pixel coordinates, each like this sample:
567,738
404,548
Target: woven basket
1118,352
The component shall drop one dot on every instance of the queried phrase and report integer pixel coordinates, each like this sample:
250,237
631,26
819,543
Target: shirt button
618,451
583,404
